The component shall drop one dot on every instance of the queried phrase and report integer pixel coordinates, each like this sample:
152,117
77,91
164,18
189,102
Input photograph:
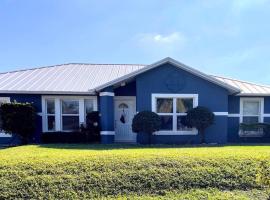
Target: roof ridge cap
59,65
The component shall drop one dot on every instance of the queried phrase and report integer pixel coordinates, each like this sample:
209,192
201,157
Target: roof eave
47,92
254,94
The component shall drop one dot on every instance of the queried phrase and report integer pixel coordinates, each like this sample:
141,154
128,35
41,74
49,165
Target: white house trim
221,113
107,133
266,115
175,63
58,113
233,115
106,94
174,130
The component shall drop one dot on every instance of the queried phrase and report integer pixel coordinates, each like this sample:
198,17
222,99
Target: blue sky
223,37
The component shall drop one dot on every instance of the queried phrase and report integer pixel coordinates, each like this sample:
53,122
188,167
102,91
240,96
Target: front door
125,109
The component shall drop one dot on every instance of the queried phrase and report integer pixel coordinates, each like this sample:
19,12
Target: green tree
146,123
18,119
200,118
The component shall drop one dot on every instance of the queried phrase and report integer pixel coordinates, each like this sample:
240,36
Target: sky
230,38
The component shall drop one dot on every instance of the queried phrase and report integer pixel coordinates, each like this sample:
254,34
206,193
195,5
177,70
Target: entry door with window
125,109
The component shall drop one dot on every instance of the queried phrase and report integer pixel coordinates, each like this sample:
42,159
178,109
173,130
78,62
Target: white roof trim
177,64
45,92
254,94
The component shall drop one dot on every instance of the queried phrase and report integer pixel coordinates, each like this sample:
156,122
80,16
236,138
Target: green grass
134,172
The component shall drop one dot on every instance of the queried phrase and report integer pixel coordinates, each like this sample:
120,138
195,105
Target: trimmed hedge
89,171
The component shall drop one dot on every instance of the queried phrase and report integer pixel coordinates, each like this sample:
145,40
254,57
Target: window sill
193,132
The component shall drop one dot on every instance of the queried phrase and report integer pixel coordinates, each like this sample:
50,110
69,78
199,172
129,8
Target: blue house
64,94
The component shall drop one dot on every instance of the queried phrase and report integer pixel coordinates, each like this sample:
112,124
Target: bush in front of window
200,118
92,127
145,123
19,119
254,129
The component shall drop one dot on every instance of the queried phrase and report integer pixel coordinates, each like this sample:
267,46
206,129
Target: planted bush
146,123
96,171
19,119
200,118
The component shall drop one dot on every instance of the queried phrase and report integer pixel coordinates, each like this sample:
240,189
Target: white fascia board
177,64
254,94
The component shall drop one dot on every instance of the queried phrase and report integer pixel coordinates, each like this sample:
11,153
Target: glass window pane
183,105
166,123
51,123
181,124
164,105
89,105
70,123
251,108
250,120
50,106
70,107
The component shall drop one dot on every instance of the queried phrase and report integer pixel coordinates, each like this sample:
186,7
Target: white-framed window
70,114
89,106
66,113
3,100
251,111
50,114
172,109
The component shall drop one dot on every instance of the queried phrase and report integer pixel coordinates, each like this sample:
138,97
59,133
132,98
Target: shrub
92,128
146,122
254,128
200,118
96,171
19,119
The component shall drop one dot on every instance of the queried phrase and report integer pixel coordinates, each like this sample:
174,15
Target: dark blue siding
267,105
170,79
234,104
157,80
127,90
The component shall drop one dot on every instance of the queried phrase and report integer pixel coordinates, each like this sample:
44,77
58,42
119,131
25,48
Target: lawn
134,172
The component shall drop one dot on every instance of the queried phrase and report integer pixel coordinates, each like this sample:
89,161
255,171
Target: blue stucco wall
170,79
233,122
36,101
128,90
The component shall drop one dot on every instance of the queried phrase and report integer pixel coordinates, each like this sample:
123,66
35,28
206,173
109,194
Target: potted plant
145,123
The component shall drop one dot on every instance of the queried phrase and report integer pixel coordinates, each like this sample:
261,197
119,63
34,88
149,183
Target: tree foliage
200,118
18,119
146,122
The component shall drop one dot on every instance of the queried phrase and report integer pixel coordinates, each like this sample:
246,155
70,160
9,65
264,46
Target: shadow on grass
136,146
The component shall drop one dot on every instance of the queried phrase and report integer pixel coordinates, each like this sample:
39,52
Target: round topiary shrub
200,118
145,123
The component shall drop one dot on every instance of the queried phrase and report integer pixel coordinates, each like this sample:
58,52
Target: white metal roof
63,79
77,78
247,88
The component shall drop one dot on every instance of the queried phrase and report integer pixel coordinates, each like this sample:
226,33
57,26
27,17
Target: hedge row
104,174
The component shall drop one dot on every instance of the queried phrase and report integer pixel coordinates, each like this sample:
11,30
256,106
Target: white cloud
159,45
170,39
